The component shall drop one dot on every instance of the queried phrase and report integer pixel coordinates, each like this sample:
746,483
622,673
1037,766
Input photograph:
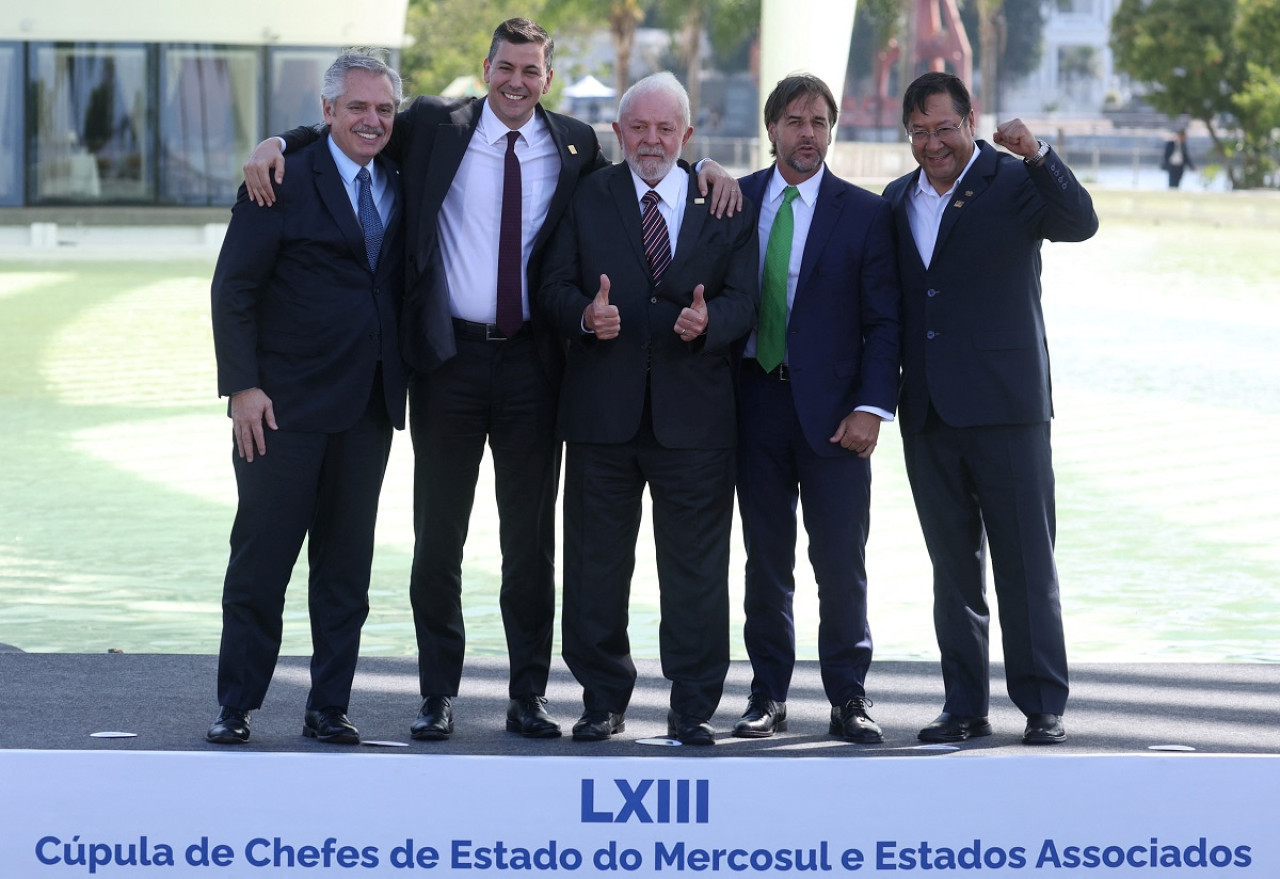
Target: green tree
726,22
450,38
1212,60
622,16
1010,42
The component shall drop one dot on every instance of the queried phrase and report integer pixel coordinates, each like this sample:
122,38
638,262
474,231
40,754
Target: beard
648,166
804,164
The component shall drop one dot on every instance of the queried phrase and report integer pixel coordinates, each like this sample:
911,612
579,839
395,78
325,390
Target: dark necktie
771,332
510,244
369,219
657,243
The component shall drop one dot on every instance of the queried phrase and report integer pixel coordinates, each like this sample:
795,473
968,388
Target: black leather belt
476,332
781,372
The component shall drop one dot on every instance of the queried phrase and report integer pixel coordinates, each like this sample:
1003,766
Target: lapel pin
958,204
699,201
573,150
968,193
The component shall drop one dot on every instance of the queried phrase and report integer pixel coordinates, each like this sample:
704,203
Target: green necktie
771,334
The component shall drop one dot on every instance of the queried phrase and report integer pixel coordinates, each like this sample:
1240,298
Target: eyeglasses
919,136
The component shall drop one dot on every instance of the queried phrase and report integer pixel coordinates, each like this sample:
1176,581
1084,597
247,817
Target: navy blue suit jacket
973,329
429,139
688,384
296,310
843,333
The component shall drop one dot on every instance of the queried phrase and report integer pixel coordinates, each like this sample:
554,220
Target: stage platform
57,701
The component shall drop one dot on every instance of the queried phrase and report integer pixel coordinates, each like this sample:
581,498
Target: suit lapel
569,170
392,226
333,194
970,187
450,146
826,216
903,221
694,217
623,193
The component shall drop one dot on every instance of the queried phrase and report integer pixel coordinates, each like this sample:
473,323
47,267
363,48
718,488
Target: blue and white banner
162,814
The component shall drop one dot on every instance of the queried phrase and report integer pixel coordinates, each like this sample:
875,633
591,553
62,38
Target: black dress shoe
954,728
435,719
763,718
331,726
230,728
596,726
851,721
1044,729
689,730
528,716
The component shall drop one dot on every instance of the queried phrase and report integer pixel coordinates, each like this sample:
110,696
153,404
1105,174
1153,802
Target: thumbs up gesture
599,316
692,322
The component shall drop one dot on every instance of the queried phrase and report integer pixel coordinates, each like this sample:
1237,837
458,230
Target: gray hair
657,83
372,60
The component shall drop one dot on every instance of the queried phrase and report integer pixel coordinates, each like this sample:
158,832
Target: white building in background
1076,72
158,102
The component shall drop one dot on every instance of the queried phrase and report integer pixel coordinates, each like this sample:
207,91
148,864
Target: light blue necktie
369,219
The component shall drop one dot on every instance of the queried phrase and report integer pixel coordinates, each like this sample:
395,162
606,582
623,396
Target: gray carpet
55,701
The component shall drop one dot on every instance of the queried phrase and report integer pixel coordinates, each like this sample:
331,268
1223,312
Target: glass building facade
144,123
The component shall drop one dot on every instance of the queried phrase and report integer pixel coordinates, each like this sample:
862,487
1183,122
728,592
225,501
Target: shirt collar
348,168
925,188
671,188
493,130
808,189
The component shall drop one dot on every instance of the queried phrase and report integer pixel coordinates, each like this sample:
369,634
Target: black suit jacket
296,310
844,332
690,384
973,330
429,139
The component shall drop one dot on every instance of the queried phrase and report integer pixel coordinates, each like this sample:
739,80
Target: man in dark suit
820,373
650,290
306,298
975,403
1177,159
476,376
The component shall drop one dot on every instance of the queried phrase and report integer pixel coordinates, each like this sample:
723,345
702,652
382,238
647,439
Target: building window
11,124
92,107
209,113
294,86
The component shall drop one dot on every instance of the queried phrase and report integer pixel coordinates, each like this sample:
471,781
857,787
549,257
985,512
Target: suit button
930,335
653,300
931,293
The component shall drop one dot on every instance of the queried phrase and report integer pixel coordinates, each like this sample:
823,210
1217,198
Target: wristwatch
1040,154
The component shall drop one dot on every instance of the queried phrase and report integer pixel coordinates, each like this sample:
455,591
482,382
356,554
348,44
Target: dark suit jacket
843,333
973,329
429,140
1172,146
296,309
690,383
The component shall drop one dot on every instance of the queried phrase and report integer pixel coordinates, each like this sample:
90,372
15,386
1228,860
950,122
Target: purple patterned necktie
657,243
510,244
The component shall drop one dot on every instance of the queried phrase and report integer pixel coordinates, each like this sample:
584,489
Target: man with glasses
975,398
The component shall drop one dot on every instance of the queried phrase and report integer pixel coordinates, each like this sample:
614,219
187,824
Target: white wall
253,22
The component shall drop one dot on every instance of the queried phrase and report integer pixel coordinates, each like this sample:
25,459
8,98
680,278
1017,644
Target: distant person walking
1177,159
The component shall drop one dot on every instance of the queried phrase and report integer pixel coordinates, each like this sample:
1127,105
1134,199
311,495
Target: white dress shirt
471,217
348,168
925,207
673,190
